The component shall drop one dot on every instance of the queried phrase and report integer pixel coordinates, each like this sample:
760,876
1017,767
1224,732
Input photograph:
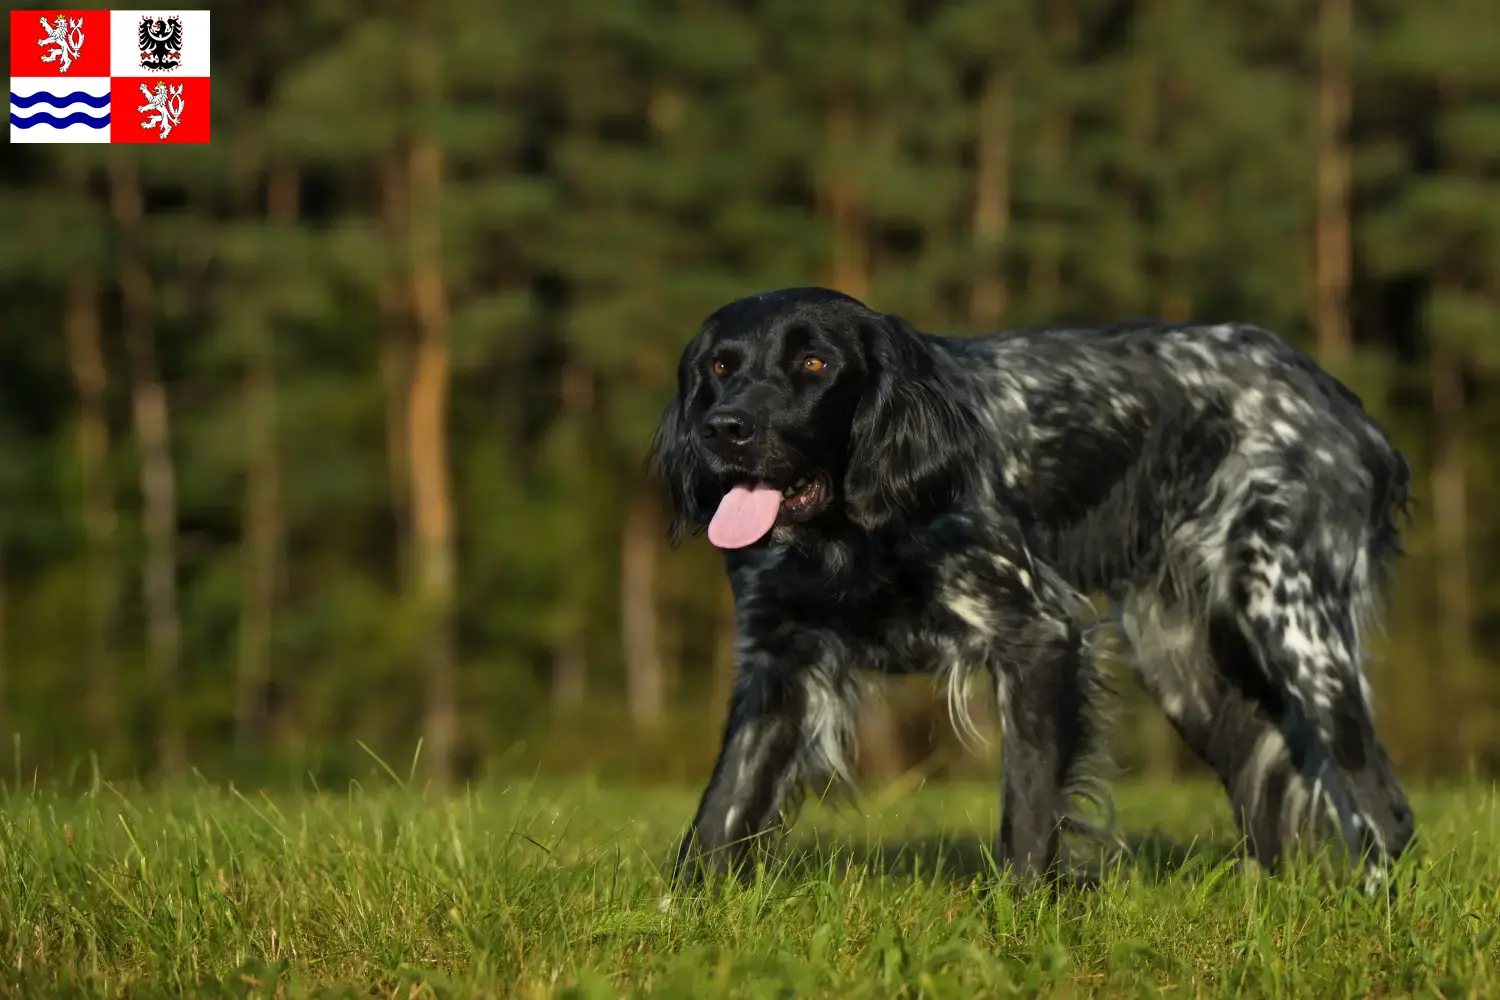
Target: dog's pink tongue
745,514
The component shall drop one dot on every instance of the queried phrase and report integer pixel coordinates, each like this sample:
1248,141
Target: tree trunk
1449,486
263,528
5,726
1177,299
645,683
1335,38
992,200
427,441
96,495
570,660
1044,277
883,756
1139,190
149,411
395,364
570,673
843,206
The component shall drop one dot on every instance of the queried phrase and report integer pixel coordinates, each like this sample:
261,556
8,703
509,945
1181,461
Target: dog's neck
836,561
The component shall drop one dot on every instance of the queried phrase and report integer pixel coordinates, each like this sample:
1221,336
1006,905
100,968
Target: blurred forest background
331,432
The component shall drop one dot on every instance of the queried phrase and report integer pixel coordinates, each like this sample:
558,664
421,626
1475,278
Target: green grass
542,890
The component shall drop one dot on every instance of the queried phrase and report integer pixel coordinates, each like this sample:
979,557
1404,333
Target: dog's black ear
913,442
681,471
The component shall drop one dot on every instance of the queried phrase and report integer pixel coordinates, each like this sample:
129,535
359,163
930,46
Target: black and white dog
896,501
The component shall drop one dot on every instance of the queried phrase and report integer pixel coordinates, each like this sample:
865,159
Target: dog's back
1123,443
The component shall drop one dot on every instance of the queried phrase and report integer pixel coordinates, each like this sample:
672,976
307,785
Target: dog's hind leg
1171,646
1299,619
788,726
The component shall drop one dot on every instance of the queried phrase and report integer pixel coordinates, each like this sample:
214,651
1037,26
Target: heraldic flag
109,76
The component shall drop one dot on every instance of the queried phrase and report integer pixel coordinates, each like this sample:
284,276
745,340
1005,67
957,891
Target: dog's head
799,408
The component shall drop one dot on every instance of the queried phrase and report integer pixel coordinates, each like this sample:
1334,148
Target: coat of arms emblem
160,40
167,103
65,37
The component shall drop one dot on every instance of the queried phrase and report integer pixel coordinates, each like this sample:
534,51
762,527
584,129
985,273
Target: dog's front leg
1013,612
789,723
1042,676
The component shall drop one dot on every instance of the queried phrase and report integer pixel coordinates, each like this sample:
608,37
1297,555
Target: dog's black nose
733,426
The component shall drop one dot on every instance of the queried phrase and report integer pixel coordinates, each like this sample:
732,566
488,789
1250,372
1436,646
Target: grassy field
553,890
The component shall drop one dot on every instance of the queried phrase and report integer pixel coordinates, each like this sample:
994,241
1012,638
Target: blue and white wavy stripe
76,97
44,118
60,110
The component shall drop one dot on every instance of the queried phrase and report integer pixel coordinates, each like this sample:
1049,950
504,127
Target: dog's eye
721,367
813,364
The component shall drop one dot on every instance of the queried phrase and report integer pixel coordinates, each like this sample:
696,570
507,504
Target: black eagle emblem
161,42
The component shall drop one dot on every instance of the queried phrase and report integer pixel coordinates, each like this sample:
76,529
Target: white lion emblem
67,36
167,102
